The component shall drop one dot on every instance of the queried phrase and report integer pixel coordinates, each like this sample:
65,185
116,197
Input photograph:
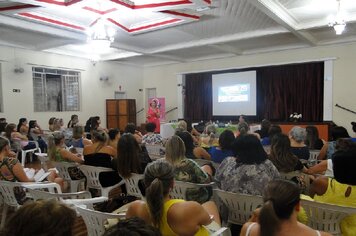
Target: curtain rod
260,65
55,67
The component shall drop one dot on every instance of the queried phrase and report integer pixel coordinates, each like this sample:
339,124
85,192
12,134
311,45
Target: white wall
164,78
93,91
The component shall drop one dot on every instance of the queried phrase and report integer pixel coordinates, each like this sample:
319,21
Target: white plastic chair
95,220
155,151
92,175
9,198
180,188
326,217
240,206
62,168
132,186
78,198
17,145
313,157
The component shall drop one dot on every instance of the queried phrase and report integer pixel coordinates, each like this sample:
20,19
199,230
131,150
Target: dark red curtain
281,90
198,102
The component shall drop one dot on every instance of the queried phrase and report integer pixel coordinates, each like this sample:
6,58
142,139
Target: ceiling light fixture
338,23
100,36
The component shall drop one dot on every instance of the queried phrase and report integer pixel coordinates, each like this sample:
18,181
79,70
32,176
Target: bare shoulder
253,231
139,209
319,186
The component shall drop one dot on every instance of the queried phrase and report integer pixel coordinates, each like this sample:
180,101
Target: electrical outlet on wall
16,90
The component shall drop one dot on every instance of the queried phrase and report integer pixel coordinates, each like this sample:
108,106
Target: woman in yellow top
340,190
172,216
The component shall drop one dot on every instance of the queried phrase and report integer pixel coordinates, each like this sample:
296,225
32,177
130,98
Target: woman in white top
278,215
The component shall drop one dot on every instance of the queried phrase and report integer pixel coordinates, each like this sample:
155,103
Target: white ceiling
156,32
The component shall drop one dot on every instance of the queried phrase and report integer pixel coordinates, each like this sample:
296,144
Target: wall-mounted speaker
104,78
19,70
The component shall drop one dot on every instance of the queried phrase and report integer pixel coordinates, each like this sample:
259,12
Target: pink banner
161,106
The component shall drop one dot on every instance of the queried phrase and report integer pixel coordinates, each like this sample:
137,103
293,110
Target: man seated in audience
45,218
132,227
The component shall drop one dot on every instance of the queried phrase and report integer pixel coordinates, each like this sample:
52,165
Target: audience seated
226,140
171,216
57,125
41,218
209,138
273,130
151,137
22,126
132,129
58,153
188,170
353,129
35,133
100,154
10,167
278,215
132,227
3,124
297,135
114,136
312,140
183,126
129,159
14,136
50,124
328,149
95,124
74,121
78,138
250,171
263,132
282,156
191,151
340,190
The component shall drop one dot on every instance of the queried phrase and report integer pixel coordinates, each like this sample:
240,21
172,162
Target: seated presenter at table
154,114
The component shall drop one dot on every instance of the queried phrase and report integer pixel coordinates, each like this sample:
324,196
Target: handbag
114,203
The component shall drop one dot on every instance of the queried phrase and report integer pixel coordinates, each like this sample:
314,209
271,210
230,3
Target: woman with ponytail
278,215
172,216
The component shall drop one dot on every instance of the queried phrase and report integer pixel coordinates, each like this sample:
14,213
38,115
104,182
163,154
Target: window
55,89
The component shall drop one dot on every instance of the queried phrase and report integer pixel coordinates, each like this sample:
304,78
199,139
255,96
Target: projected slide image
234,93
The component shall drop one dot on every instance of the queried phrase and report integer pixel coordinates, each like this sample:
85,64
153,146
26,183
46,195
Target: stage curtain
198,97
282,90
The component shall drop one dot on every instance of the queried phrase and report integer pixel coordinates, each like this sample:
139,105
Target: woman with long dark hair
249,171
278,215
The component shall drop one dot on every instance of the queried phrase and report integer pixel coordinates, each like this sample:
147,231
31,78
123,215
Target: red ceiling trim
59,3
56,22
98,11
162,23
152,5
18,7
94,22
176,13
